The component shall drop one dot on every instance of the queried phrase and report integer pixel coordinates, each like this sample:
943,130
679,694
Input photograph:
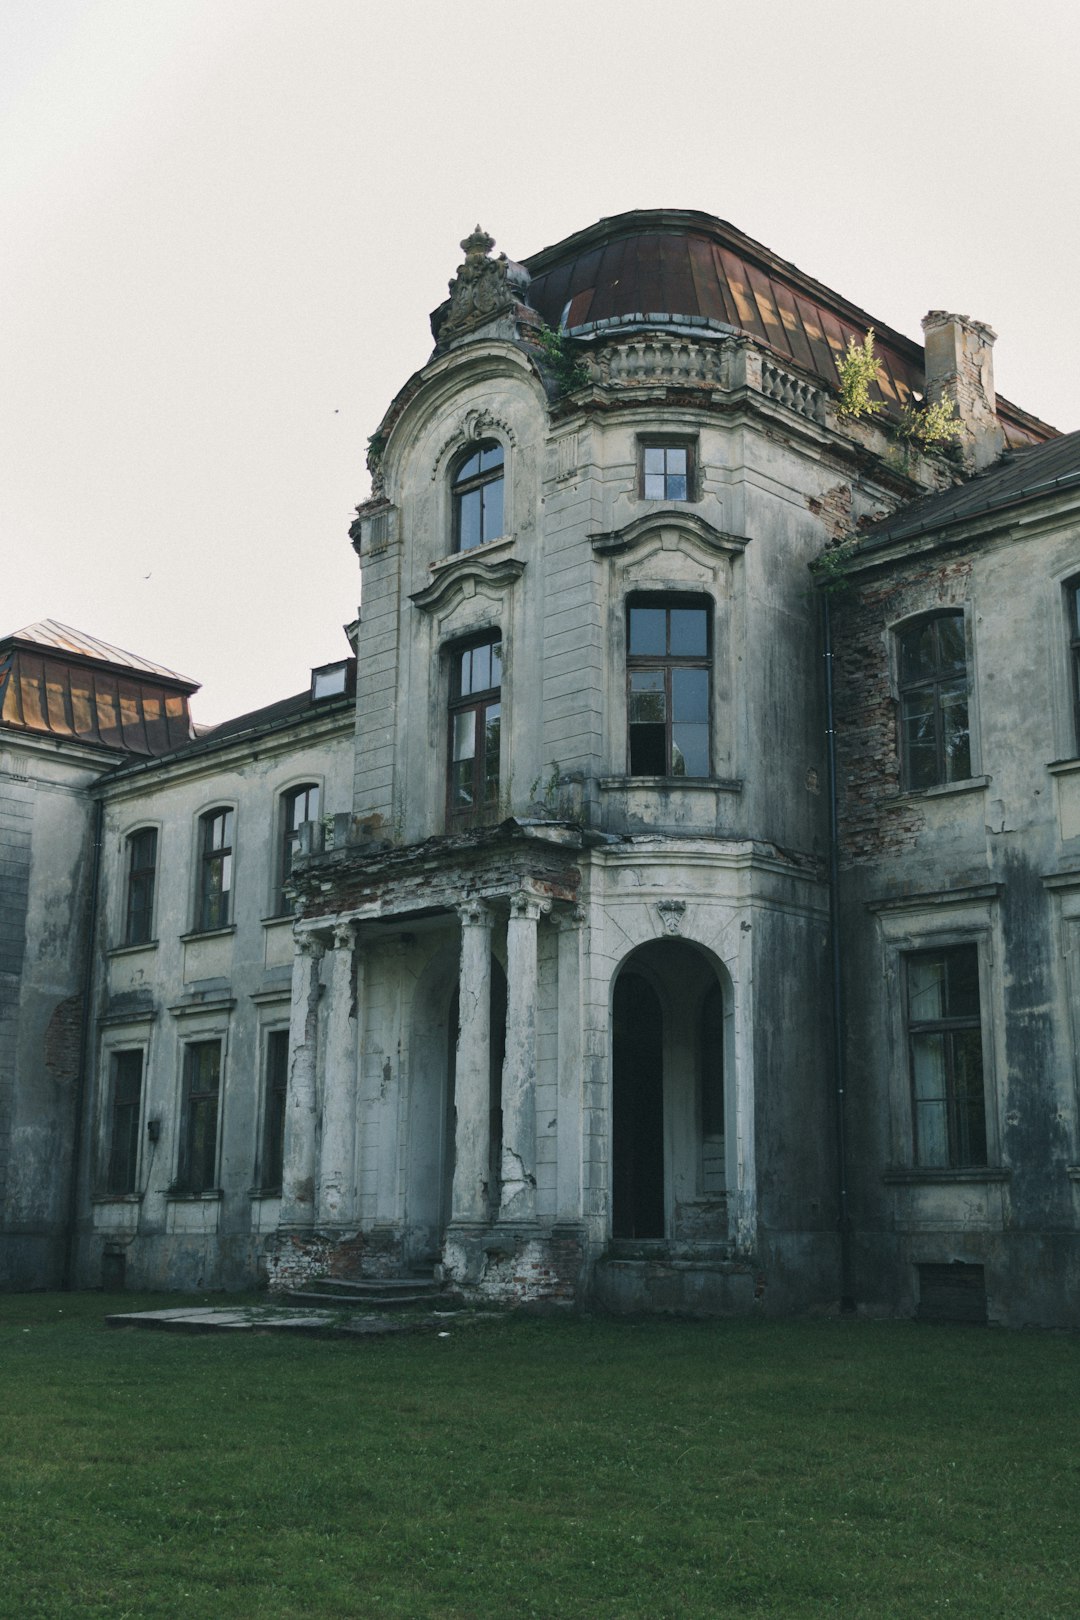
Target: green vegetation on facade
535,1468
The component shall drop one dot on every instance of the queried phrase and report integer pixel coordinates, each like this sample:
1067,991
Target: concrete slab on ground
274,1319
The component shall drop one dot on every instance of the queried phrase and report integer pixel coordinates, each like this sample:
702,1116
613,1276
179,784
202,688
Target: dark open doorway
638,1109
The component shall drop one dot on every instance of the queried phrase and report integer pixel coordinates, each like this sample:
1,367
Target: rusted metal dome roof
654,265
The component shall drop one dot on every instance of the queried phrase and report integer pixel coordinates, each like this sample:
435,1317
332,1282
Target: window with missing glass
213,908
300,804
669,681
1072,602
275,1092
141,874
122,1126
197,1169
946,1057
475,720
667,470
935,735
476,489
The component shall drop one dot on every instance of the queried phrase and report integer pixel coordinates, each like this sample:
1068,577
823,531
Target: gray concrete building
525,967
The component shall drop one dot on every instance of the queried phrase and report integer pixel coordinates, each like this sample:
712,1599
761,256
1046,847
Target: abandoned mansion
669,899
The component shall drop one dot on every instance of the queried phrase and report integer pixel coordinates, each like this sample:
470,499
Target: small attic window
331,680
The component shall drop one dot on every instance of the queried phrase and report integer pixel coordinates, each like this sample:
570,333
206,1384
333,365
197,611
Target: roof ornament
482,289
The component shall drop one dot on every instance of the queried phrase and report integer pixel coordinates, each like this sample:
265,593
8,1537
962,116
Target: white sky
223,224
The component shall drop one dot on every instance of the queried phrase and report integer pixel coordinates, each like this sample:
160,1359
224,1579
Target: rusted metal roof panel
61,637
82,700
678,262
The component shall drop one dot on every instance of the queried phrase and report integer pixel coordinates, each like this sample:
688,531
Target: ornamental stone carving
671,914
482,288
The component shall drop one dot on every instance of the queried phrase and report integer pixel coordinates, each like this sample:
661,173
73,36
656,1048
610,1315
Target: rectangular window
141,873
669,678
123,1122
276,1085
197,1171
667,471
945,1050
215,869
934,731
475,719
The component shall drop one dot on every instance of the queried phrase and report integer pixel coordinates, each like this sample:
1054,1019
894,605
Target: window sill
208,933
667,784
255,1193
487,548
212,1195
970,784
116,1198
932,1176
129,950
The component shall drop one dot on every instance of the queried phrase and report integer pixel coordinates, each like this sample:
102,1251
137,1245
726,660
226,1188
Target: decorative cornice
498,574
698,529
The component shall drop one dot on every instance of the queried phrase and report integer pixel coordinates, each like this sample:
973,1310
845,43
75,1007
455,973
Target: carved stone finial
479,244
482,288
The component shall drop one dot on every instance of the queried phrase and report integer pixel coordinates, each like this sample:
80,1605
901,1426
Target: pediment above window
678,528
464,575
475,425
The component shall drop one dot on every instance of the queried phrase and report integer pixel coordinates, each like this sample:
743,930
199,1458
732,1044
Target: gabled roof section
1019,477
58,682
670,264
62,638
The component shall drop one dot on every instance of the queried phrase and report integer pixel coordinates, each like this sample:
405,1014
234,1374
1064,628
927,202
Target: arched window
477,491
300,804
141,875
935,737
213,908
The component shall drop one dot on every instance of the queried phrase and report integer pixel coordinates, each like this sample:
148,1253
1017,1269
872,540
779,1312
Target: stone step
386,1300
363,1287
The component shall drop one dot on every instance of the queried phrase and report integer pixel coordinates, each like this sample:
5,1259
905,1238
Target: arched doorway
672,1053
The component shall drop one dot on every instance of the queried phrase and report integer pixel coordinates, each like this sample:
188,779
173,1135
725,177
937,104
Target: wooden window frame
141,884
668,662
289,834
936,684
122,1125
665,442
478,703
481,481
191,1178
214,899
959,1154
275,1097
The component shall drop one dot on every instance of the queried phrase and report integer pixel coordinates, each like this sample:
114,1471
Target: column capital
476,914
525,904
568,917
309,945
344,935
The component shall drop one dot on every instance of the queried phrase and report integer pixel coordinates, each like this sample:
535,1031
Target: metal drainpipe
84,1058
847,1293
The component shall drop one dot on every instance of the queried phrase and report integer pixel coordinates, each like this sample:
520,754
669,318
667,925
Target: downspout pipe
78,1132
847,1292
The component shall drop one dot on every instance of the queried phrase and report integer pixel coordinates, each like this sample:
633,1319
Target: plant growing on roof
858,369
562,356
930,424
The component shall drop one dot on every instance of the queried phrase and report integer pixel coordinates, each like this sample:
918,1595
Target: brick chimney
960,367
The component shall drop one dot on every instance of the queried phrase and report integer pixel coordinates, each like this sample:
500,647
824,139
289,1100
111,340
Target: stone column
571,1122
472,1083
301,1110
337,1167
518,1194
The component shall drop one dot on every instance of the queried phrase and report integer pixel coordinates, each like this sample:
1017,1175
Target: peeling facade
526,970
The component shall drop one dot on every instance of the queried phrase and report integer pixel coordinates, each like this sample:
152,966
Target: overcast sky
223,224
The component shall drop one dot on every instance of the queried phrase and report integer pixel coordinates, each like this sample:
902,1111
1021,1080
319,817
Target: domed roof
672,266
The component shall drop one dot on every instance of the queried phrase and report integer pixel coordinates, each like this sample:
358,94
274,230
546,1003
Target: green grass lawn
534,1467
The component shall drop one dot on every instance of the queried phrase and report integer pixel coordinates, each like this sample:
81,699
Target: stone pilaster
571,1125
472,1083
301,1112
337,1167
518,1178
